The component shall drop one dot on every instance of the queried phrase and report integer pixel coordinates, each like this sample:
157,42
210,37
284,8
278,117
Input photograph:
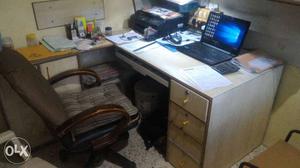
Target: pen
144,46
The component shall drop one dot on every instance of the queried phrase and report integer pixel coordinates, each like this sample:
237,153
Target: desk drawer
178,158
186,122
189,145
189,100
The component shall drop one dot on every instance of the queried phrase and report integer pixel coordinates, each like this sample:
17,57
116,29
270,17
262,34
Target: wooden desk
52,63
214,128
40,54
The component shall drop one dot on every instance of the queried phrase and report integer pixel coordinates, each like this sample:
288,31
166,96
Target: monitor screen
225,32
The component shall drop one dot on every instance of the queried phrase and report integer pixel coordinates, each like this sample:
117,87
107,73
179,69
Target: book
58,43
257,62
163,13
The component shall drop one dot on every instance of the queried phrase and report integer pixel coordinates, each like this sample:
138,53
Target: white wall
275,29
17,19
275,26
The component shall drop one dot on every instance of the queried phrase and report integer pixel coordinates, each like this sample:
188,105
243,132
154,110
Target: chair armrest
247,164
75,72
288,137
6,136
10,135
103,110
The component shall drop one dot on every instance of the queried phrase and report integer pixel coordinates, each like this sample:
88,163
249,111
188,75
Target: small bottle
7,42
108,31
73,32
31,40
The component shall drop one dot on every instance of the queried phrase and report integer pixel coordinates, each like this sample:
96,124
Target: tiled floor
135,151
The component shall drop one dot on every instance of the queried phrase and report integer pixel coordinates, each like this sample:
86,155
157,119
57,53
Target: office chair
95,120
280,155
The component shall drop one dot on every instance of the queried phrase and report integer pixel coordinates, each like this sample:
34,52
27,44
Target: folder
257,61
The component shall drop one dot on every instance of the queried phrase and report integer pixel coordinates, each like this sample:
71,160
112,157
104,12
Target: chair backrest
32,87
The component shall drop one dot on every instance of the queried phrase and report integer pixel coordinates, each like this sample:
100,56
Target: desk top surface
170,62
39,54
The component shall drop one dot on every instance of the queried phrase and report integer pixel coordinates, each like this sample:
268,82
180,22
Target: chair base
109,153
96,159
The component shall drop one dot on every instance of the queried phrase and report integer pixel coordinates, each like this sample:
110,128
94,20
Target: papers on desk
83,44
56,43
139,45
162,12
188,37
204,78
180,2
124,38
256,62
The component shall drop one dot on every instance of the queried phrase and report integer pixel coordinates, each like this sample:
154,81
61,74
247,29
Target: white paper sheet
262,63
128,37
188,37
181,2
138,44
58,43
204,78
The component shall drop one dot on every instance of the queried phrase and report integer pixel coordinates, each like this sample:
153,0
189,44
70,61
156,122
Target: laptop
221,40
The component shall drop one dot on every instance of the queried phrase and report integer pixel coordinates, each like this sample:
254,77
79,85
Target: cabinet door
52,68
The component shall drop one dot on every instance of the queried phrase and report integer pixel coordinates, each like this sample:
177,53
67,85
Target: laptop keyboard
226,67
204,53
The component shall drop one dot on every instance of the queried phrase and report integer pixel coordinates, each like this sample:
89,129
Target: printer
163,20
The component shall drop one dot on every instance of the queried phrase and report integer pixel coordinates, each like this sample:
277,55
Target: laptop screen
225,32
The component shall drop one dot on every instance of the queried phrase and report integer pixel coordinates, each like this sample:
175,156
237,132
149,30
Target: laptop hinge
224,51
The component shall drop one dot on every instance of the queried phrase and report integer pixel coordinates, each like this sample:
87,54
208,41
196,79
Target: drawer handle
185,101
181,164
184,123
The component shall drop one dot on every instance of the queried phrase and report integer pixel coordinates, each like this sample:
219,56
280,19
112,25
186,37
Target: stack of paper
163,12
83,44
54,43
257,62
187,37
204,78
124,38
180,2
142,45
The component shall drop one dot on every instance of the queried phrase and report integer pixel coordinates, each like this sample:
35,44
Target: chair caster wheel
63,155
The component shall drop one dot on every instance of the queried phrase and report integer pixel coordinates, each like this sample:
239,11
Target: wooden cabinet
49,69
209,128
219,130
187,116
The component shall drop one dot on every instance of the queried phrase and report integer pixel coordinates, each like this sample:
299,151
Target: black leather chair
95,120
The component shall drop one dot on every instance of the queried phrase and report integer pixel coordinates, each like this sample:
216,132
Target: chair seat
281,155
75,103
109,73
